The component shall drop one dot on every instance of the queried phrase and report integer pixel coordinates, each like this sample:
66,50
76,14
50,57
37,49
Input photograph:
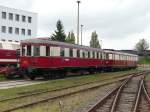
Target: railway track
131,96
39,98
59,89
144,101
47,95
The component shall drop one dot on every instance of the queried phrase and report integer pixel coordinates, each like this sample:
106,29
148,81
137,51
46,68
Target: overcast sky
119,23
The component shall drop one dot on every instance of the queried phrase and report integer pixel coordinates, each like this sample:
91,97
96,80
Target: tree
94,40
70,38
142,46
59,34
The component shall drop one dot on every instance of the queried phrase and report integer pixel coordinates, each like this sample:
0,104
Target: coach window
110,56
66,52
88,54
28,50
62,52
113,56
14,46
1,45
74,53
78,53
93,54
101,56
71,52
47,51
23,50
97,55
36,51
42,50
107,56
83,54
125,57
54,51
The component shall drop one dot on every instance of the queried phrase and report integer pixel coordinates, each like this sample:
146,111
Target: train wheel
32,77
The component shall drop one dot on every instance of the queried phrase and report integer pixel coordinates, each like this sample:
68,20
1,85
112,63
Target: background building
17,24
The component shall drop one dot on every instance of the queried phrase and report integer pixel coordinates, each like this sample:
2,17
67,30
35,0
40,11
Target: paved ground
18,83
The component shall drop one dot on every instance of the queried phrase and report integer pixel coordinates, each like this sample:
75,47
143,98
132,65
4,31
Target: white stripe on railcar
8,60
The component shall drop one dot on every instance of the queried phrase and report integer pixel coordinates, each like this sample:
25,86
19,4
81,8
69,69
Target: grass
147,77
144,60
59,83
2,78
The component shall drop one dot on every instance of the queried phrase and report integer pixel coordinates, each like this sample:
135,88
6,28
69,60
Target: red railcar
43,57
8,52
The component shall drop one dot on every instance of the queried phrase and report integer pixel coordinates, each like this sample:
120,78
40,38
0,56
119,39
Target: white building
17,24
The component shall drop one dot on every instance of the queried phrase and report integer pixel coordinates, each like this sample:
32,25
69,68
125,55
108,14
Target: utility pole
78,2
81,33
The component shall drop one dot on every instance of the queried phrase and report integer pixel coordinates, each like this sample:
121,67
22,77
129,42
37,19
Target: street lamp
81,33
78,2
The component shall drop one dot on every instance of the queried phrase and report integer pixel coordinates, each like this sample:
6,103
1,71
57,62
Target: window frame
4,15
17,17
23,18
10,30
10,16
29,19
23,31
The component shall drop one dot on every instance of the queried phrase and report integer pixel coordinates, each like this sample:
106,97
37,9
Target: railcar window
78,53
113,56
88,54
55,51
1,45
47,51
83,54
107,56
104,56
15,46
23,50
97,55
71,52
74,53
66,52
101,56
110,56
36,51
42,50
93,54
62,52
28,50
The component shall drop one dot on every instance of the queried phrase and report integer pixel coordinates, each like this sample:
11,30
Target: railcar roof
123,53
48,41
